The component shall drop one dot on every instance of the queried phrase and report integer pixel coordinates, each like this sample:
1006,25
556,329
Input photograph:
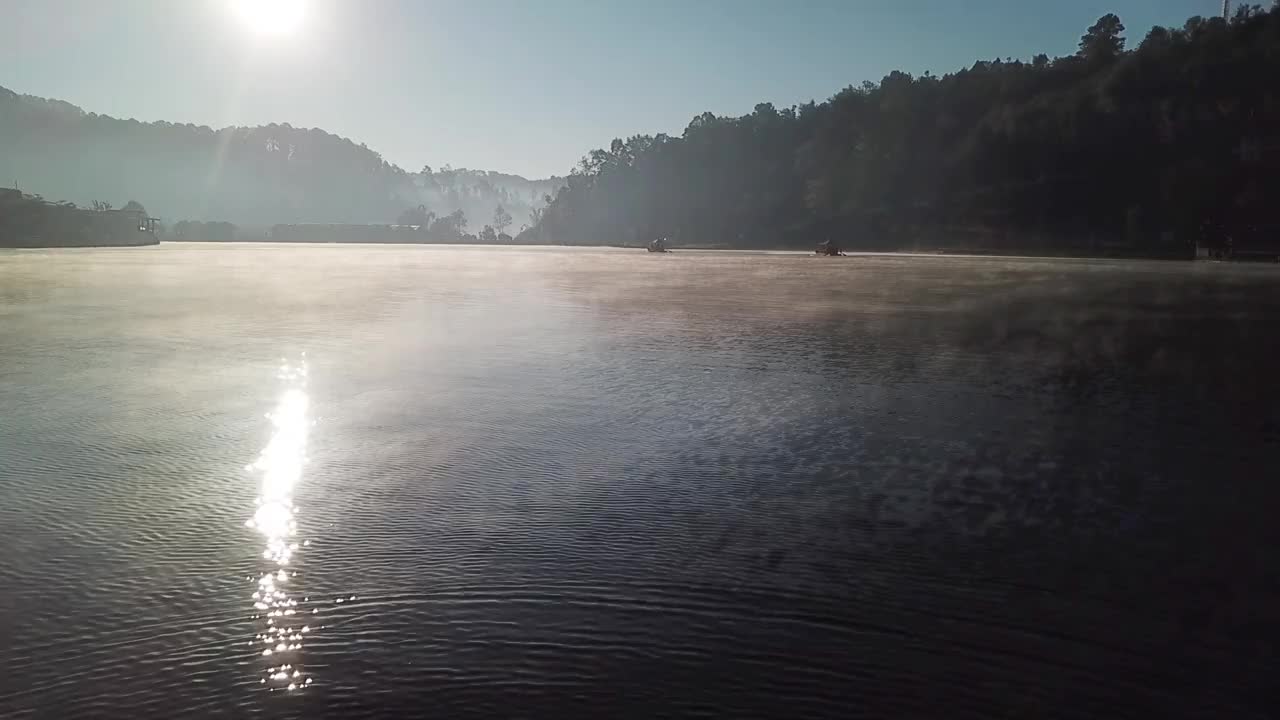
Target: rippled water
459,482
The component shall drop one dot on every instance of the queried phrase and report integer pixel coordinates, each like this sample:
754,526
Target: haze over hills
1129,143
245,175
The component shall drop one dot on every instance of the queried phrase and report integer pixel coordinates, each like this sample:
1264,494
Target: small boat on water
658,245
827,249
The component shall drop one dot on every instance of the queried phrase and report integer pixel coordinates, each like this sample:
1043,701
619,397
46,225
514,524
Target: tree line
452,227
416,225
477,193
1138,148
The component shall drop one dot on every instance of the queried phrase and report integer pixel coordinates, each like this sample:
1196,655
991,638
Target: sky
521,86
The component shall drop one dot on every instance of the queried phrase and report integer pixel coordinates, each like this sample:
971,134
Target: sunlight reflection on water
279,466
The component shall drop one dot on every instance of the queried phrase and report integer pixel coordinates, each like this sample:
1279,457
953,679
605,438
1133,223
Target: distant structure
30,221
1226,9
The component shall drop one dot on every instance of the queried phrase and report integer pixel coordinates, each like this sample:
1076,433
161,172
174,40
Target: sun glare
270,17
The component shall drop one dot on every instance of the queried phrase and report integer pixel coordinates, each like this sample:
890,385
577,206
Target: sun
270,17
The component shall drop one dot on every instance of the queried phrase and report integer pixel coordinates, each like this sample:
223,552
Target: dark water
548,483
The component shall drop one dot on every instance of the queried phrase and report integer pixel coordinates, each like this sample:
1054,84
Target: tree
449,227
1159,37
501,219
487,235
458,220
101,205
415,216
1104,40
1247,11
134,206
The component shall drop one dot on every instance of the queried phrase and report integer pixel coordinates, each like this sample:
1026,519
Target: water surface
470,482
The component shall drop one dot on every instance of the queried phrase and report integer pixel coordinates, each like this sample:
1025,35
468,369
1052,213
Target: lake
394,481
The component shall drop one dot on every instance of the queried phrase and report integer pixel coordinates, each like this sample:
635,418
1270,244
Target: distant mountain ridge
247,175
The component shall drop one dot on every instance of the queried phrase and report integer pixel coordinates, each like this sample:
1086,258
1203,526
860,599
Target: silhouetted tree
449,228
1245,12
415,216
501,219
1104,40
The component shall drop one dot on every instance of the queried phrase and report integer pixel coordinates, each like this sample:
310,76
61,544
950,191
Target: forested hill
1110,146
249,176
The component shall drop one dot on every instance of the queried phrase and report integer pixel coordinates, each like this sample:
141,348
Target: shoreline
993,253
79,245
1065,253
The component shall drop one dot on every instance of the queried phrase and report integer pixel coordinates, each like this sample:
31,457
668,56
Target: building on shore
31,221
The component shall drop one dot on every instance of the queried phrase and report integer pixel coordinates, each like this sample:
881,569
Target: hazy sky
518,86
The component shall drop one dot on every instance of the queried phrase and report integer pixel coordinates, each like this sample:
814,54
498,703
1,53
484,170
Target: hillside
255,176
1108,148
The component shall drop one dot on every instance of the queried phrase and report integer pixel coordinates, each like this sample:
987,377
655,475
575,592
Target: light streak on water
279,469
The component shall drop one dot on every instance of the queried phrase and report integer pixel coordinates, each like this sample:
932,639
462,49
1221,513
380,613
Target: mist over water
542,482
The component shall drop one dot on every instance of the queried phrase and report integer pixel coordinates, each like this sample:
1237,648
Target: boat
658,245
827,249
